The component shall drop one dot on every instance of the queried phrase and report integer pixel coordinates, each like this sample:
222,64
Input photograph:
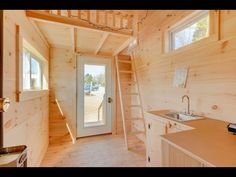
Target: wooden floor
97,151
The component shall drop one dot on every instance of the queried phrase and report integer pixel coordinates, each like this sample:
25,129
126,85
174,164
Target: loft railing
103,18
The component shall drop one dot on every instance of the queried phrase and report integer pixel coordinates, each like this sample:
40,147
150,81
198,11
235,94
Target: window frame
28,94
41,71
185,24
189,21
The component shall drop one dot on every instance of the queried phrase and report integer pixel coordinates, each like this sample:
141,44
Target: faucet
186,96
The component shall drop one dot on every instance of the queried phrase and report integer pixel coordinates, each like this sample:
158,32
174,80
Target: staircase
133,121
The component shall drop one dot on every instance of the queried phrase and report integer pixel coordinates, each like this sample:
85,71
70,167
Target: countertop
209,140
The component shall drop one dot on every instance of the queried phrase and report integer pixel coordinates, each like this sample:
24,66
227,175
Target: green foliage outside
96,80
201,29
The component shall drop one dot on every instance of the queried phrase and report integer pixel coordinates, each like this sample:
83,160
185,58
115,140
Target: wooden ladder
126,76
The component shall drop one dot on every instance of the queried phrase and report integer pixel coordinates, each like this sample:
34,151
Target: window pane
26,70
35,74
192,33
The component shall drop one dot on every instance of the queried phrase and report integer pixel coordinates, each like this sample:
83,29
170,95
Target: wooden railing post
79,14
97,16
129,23
88,15
105,16
69,13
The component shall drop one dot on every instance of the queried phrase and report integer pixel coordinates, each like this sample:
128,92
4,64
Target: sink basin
182,117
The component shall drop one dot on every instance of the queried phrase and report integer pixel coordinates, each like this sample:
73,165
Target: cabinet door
154,130
173,157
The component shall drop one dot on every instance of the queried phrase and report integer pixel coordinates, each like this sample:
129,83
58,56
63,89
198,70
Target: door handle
4,104
109,100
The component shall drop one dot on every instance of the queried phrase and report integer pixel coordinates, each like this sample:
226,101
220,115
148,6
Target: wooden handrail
100,106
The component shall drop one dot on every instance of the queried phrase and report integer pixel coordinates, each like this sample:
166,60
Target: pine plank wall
211,82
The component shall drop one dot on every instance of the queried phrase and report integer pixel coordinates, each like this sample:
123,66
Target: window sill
201,43
29,95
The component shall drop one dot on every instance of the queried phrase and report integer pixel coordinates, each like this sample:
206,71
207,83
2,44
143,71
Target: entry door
94,109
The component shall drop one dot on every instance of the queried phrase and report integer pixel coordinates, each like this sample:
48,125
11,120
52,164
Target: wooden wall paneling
1,75
63,89
22,121
211,75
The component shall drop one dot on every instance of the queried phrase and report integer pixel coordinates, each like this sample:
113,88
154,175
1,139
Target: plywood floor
97,151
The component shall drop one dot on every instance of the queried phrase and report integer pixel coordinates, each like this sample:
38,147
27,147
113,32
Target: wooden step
125,61
126,72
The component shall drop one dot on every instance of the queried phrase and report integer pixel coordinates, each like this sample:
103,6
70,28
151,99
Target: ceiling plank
102,41
78,23
40,33
122,47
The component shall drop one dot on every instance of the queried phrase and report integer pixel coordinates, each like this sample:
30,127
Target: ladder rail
121,102
138,89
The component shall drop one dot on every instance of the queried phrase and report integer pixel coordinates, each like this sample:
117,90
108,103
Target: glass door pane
94,95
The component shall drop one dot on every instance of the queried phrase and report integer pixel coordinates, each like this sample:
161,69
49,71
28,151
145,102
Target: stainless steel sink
182,116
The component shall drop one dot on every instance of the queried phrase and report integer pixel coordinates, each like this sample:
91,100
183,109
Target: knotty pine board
25,122
212,74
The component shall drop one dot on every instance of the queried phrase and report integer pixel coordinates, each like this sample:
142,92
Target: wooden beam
102,41
122,47
40,32
78,23
18,70
91,54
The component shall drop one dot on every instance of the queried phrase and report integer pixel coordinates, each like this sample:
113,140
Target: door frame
78,96
1,75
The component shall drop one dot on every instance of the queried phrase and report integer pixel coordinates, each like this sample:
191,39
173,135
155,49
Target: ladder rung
124,61
126,72
135,118
131,94
135,105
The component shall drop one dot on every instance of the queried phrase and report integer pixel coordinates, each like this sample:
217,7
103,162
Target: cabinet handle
149,126
149,159
166,129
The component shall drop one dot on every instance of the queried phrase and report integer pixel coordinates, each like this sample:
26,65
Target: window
32,71
190,31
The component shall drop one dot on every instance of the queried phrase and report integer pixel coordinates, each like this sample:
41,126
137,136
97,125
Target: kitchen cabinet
155,127
174,157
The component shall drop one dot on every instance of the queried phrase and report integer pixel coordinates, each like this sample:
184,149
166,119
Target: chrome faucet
186,96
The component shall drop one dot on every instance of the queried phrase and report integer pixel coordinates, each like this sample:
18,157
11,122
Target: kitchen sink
182,116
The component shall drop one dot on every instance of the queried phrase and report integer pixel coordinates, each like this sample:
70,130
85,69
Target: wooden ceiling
87,35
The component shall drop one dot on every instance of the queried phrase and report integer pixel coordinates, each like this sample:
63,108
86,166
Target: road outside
91,103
